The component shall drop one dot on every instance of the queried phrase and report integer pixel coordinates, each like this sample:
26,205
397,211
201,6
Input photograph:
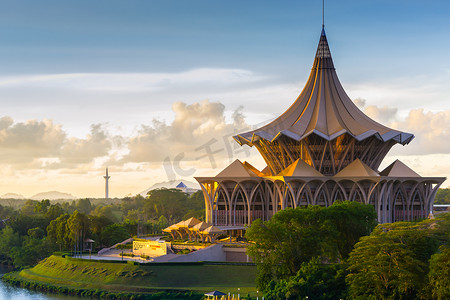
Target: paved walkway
97,257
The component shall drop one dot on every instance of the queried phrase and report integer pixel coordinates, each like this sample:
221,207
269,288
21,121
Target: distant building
320,150
184,188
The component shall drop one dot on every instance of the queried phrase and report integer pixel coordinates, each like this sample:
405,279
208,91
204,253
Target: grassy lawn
126,277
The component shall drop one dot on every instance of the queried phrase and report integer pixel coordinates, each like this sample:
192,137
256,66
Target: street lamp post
257,295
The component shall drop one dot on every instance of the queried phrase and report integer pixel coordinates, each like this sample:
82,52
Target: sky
154,90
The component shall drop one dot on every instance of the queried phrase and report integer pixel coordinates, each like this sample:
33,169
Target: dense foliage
327,253
33,230
314,280
404,260
442,196
293,237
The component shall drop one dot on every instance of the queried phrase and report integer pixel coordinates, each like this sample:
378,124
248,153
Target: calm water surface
8,292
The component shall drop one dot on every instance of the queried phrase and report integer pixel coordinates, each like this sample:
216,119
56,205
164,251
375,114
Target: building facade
320,150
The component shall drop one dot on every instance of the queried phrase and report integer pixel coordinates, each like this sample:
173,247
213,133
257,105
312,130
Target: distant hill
12,196
171,185
53,195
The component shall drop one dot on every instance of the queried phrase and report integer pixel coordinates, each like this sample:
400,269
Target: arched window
399,206
304,199
240,216
220,208
257,207
417,209
322,198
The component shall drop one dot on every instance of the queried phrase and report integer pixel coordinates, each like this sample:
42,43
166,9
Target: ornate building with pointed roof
320,150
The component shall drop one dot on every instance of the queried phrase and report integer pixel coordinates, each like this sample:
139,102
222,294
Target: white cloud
431,130
196,129
380,114
25,141
44,144
133,82
430,92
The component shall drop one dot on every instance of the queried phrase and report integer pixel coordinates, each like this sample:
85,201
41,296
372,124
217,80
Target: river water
8,292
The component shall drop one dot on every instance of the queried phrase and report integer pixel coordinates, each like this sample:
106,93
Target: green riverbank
121,280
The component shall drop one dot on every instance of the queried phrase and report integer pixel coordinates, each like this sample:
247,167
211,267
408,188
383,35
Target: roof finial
323,14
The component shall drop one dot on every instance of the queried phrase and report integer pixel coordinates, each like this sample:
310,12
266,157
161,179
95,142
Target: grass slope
142,278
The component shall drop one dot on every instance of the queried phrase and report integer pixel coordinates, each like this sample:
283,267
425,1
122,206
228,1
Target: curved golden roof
323,108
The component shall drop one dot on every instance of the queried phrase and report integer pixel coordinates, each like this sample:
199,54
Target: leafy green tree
97,224
196,206
314,280
295,236
8,240
352,220
171,203
105,211
36,233
132,203
57,232
114,233
84,206
442,196
162,222
391,263
41,207
31,251
198,214
77,227
5,212
53,212
196,201
291,237
28,207
441,228
134,215
21,223
439,274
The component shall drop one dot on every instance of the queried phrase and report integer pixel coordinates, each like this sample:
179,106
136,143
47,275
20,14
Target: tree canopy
439,275
393,262
442,196
295,236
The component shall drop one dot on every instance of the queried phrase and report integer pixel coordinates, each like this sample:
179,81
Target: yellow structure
150,248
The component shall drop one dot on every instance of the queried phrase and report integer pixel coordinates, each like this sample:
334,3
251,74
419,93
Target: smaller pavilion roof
357,169
398,169
201,226
171,227
212,230
191,222
300,168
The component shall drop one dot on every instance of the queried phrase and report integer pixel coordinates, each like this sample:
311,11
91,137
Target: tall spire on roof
323,14
323,58
324,115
